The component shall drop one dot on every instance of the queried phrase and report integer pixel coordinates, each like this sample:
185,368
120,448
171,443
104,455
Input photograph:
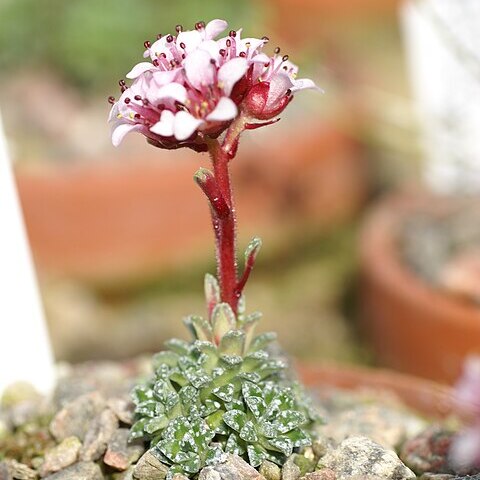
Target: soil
442,245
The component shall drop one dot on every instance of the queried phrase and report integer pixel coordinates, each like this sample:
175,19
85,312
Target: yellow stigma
132,115
119,115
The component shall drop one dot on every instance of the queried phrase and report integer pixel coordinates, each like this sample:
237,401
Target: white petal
191,39
119,132
174,91
231,72
158,47
261,58
214,28
279,84
225,110
184,125
113,112
140,68
211,46
198,69
251,44
165,126
303,84
162,77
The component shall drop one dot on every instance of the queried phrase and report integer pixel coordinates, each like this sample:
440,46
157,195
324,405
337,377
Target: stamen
277,50
265,39
285,58
159,36
122,83
170,39
137,97
200,25
127,100
178,28
182,45
147,44
242,54
229,43
222,52
156,62
111,100
232,33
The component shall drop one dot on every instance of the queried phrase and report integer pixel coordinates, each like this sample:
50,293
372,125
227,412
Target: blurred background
118,265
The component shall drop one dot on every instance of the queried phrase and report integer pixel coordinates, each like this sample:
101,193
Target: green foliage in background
89,42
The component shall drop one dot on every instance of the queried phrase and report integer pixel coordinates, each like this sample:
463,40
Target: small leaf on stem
212,293
206,181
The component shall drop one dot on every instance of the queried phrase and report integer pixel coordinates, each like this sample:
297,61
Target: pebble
123,408
233,468
383,424
78,471
149,467
61,456
290,470
98,435
13,470
428,451
270,470
76,417
120,453
324,474
322,444
359,455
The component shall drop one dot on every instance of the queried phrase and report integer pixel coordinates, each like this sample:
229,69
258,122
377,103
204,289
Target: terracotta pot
412,326
423,396
116,221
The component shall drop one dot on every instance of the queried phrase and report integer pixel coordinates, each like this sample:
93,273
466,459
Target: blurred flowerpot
413,326
425,397
123,220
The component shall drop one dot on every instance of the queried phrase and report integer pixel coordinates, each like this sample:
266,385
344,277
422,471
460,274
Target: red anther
121,82
285,58
277,50
147,44
111,100
178,28
182,45
232,33
229,43
156,62
170,39
159,36
199,25
137,116
222,52
127,100
137,97
265,39
242,54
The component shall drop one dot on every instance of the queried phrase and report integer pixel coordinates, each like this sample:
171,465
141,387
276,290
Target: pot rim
424,396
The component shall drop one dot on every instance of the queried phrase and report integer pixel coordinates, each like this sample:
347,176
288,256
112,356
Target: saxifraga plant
222,392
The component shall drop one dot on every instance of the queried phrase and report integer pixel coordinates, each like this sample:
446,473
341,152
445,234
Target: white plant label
442,39
25,352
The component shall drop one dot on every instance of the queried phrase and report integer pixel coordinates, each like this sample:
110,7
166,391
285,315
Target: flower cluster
221,393
194,86
466,448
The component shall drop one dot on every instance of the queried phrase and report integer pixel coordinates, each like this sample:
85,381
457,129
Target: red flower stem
224,228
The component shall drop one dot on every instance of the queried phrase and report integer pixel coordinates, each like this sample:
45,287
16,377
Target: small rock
179,476
13,470
126,475
76,417
270,470
17,393
428,451
437,476
324,474
383,424
61,456
78,471
98,435
120,453
361,456
322,445
233,468
290,470
149,467
123,409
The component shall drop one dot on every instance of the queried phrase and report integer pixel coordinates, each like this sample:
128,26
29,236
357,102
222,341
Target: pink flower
466,447
195,86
